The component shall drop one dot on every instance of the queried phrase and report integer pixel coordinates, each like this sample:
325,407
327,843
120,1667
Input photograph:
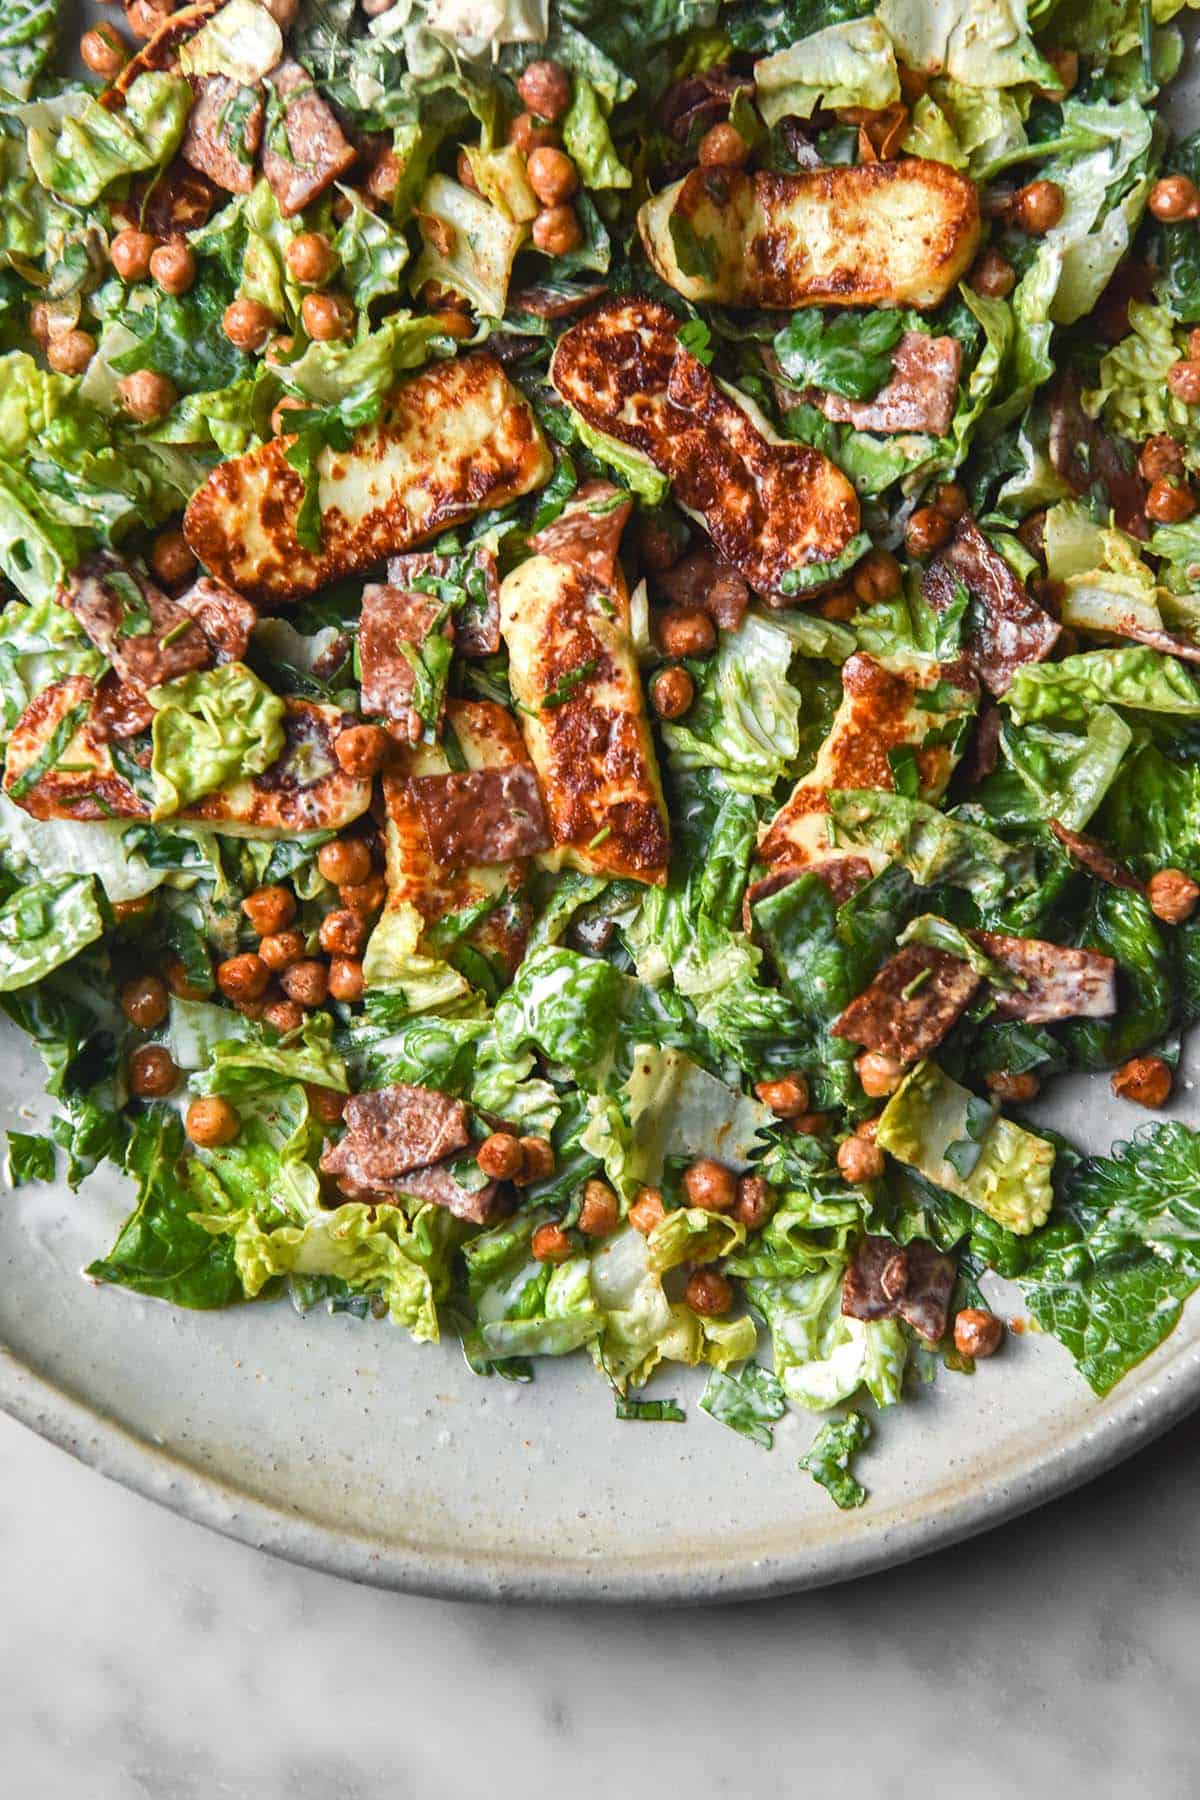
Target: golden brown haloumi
450,442
875,234
564,615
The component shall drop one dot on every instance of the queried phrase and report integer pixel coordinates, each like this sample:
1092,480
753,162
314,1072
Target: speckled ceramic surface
343,1445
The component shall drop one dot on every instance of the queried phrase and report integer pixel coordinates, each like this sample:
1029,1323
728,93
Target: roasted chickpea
977,1333
1174,198
658,546
141,908
171,558
811,1124
247,324
787,1097
1065,64
280,949
344,860
950,499
70,352
283,12
277,352
342,933
557,231
599,1211
686,631
1172,895
722,147
879,1074
755,1202
927,530
537,1160
1038,207
39,323
711,1185
499,1156
1161,457
144,17
130,253
1017,1089
992,275
859,1159
365,897
545,88
671,693
362,750
1183,379
283,1016
306,982
346,981
103,51
708,1293
840,604
328,1104
211,1122
176,978
647,1210
526,134
550,1244
173,267
1146,1079
270,909
311,259
455,323
145,1002
877,577
153,1072
326,317
243,977
383,180
146,396
552,175
1193,343
1169,503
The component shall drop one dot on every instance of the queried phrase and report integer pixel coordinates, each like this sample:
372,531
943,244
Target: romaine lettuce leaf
848,64
1068,774
1132,396
30,1158
821,1356
77,148
588,140
932,845
745,720
27,33
676,1108
642,1327
467,245
566,1006
989,49
749,1401
830,1456
210,727
44,925
1071,689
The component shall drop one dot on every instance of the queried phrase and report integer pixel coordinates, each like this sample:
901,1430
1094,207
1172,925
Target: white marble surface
141,1656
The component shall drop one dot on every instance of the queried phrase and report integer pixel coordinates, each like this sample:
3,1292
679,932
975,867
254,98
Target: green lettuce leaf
932,846
45,925
1132,396
210,727
1068,773
848,64
27,32
821,1356
830,1458
749,1401
950,37
482,244
30,1158
1071,689
77,148
565,1006
588,140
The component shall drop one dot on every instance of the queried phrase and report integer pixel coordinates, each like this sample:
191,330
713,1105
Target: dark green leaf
830,1456
749,1401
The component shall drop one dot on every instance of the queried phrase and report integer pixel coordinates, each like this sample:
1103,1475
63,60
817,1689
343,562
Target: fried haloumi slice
878,234
564,615
456,439
771,507
489,739
60,765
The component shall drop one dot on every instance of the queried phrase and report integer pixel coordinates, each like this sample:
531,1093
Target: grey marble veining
143,1657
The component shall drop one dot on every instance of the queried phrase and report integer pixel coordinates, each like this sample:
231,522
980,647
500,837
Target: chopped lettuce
746,720
27,33
750,1401
1068,773
981,49
847,64
1132,396
588,140
44,925
210,728
830,1457
78,148
933,846
1070,690
467,245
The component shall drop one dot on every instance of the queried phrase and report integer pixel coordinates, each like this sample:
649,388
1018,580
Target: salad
598,668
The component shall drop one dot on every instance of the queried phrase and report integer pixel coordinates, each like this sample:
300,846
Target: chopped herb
695,255
906,776
830,1455
916,984
850,355
696,337
562,690
964,1153
176,632
60,737
601,837
30,1158
664,1412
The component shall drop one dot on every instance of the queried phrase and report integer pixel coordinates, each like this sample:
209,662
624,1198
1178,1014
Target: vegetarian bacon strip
1012,628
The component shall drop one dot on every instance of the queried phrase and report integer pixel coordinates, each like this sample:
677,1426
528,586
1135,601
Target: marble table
143,1658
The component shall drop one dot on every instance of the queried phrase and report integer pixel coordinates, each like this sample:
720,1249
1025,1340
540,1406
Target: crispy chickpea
365,897
859,1159
708,1293
755,1202
311,258
280,949
1017,1089
144,1001
173,267
552,175
176,979
1169,502
145,395
171,558
545,88
877,577
992,275
270,909
346,981
499,1156
671,693
283,12
143,17
342,933
211,1122
1038,207
39,323
306,982
455,323
526,134
70,352
722,147
243,977
283,1016
1172,895
1065,64
1183,379
130,253
647,1210
344,860
686,631
362,750
557,231
810,1124
326,1103
879,1073
326,317
1174,197
711,1185
1161,456
950,499
658,546
927,530
977,1333
599,1210
141,908
277,353
103,51
382,182
841,604
550,1244
787,1097
1145,1079
537,1160
153,1072
247,324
